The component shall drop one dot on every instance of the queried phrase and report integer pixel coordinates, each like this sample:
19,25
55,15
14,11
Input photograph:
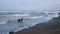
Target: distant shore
50,27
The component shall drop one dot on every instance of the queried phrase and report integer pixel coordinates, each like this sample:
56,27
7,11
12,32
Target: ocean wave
26,23
20,14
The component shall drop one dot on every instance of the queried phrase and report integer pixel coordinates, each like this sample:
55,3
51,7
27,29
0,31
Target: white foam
3,22
6,33
35,17
21,15
53,15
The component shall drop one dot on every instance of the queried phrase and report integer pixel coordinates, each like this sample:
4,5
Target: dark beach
50,27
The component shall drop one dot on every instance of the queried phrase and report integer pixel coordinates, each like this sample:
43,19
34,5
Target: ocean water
29,19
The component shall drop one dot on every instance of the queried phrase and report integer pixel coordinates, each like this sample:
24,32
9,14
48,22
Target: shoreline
50,27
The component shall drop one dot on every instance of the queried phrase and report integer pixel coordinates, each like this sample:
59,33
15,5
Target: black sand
50,27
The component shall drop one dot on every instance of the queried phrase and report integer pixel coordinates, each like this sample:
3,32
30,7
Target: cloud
28,4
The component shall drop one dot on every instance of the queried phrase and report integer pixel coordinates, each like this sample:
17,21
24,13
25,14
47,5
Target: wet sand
50,27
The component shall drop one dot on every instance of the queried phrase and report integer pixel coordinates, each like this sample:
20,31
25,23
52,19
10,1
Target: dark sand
50,27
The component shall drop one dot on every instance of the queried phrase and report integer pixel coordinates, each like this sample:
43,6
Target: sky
29,4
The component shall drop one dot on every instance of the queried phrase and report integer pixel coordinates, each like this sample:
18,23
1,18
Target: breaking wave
30,19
